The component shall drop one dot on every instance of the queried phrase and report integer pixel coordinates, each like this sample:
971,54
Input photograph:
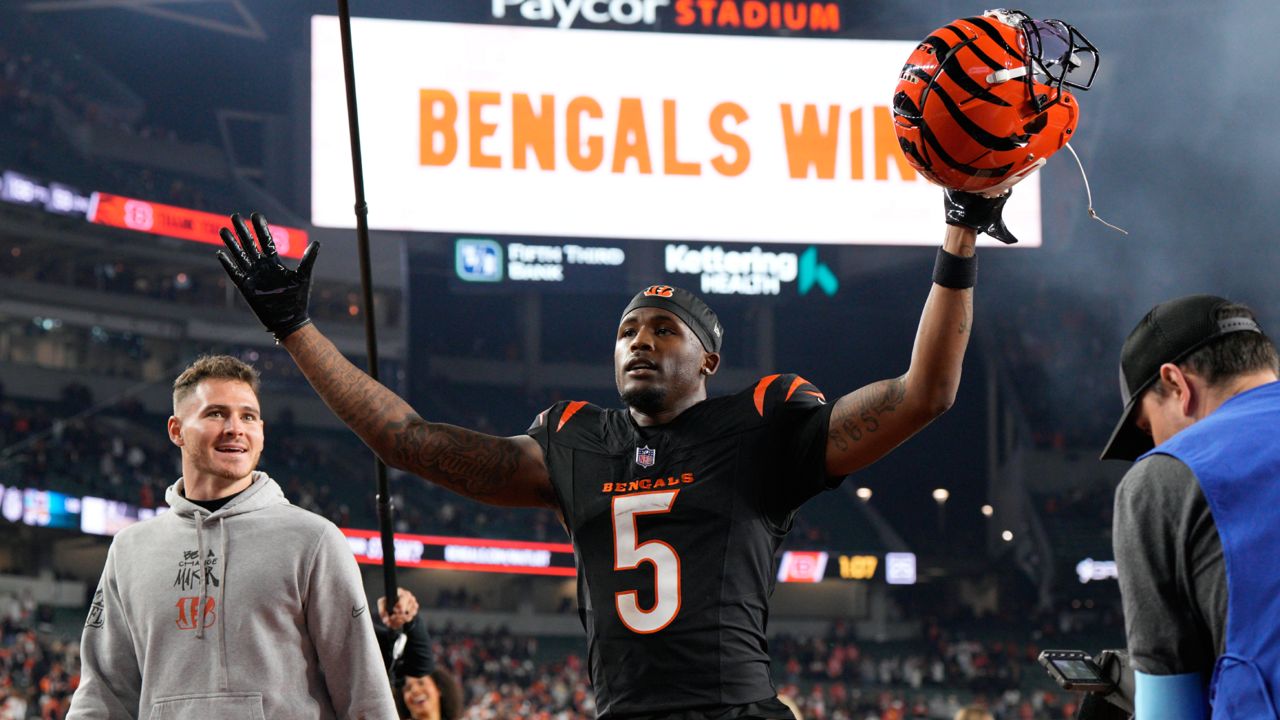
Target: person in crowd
423,690
791,705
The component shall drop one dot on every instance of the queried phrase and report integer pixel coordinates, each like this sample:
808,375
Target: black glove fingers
276,294
229,265
308,259
241,260
246,238
264,236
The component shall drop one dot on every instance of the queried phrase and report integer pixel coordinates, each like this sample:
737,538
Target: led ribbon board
471,554
181,223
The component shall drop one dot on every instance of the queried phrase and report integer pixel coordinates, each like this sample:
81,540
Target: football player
676,503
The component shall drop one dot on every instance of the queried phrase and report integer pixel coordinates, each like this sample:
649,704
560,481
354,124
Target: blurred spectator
422,690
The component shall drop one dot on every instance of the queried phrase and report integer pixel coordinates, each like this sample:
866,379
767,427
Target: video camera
1106,681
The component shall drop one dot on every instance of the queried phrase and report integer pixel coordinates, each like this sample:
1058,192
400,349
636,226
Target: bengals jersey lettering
675,529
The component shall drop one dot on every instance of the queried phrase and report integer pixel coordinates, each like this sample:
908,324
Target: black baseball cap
1169,333
700,318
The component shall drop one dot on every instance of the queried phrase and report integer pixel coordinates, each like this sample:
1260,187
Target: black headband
685,305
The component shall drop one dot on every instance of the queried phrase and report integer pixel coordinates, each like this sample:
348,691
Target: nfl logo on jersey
646,456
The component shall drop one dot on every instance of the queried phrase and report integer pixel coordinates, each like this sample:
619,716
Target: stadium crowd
38,673
201,288
508,677
48,100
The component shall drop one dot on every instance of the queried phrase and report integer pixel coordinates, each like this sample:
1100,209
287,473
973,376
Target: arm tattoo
862,416
474,464
359,400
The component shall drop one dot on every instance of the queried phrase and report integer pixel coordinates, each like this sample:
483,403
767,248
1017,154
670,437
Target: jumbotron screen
547,132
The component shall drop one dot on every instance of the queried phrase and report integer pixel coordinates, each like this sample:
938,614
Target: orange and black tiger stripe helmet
981,102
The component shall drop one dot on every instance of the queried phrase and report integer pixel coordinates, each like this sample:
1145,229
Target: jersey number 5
627,555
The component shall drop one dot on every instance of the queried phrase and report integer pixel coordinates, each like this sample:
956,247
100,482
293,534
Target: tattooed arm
499,471
870,421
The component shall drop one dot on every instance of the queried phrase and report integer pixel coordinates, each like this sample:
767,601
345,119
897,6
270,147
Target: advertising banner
181,223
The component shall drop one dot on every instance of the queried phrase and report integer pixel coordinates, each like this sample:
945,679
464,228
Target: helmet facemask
1058,55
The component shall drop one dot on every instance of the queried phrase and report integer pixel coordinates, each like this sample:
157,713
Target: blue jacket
1235,455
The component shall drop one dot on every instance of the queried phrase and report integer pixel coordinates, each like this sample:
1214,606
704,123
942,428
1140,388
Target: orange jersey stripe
761,387
794,384
569,412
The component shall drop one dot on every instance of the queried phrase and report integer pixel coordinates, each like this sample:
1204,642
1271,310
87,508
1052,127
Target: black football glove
978,212
277,295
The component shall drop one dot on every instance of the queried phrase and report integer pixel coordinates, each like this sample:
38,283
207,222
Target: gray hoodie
254,611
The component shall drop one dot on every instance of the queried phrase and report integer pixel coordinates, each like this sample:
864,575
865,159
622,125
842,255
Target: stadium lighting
864,493
940,495
988,510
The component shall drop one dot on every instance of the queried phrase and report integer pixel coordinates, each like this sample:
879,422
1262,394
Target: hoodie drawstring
222,590
204,575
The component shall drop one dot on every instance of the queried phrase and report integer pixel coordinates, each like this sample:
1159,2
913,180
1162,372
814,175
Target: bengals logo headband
690,308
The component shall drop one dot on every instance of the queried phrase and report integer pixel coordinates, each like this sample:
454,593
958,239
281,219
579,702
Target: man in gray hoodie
235,603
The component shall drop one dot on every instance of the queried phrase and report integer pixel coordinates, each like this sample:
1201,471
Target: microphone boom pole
370,332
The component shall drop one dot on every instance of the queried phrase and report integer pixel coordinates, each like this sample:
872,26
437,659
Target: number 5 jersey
675,528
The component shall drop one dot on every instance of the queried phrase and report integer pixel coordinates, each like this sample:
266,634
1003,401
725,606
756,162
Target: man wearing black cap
676,503
1196,529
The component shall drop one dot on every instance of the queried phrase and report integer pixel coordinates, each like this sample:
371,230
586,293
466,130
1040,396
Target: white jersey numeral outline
627,555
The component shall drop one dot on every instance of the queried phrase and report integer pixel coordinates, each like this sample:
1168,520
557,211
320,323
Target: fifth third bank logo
478,260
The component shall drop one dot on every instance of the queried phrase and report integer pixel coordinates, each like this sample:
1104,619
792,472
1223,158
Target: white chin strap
1007,74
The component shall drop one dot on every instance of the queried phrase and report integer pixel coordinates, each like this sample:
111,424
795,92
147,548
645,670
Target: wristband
953,271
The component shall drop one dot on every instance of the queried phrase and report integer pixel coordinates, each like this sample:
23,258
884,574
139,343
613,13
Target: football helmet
982,101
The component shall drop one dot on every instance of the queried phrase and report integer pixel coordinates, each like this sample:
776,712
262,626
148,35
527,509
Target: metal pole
370,332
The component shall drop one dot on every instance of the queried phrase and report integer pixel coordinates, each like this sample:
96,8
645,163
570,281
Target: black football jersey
675,528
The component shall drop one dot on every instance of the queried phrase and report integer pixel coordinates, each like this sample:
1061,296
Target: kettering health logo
814,272
751,272
477,260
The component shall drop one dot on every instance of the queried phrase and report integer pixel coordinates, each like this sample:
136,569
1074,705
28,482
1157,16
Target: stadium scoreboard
499,129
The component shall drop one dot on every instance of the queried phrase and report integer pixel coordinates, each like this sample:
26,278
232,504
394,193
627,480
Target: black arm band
955,272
